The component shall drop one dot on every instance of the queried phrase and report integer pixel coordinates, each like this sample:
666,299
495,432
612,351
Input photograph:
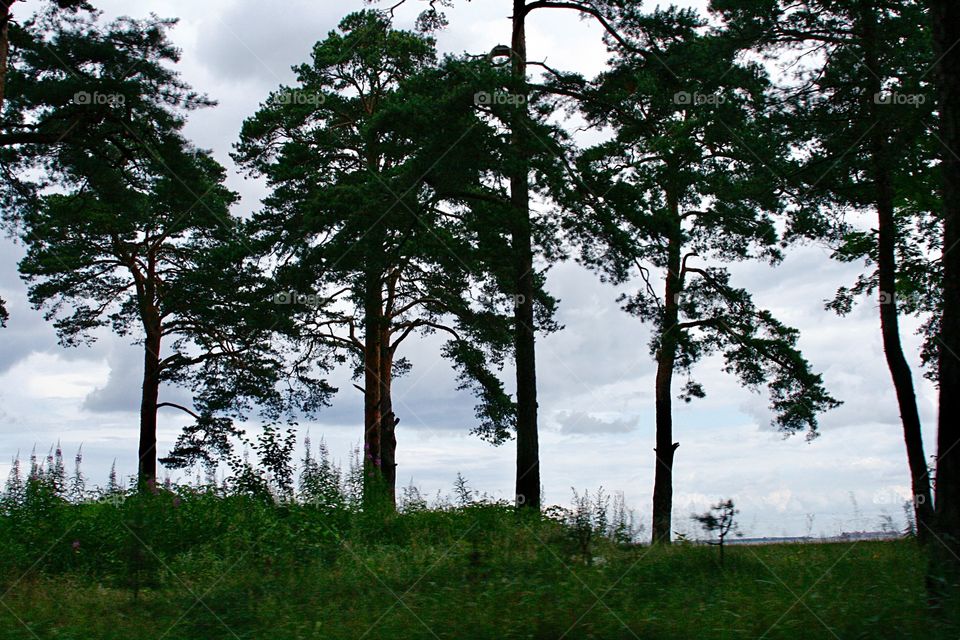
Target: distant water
852,536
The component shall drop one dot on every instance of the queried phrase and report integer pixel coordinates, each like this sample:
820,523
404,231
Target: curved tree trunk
666,359
897,363
528,448
900,369
887,275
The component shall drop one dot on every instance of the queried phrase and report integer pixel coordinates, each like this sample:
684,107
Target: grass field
199,566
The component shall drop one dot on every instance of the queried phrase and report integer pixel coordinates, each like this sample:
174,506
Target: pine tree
517,222
684,188
367,257
862,120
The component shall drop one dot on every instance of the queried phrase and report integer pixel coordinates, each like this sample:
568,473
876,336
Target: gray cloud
250,43
26,332
121,393
585,423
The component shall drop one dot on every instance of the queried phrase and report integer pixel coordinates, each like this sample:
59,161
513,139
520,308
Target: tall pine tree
861,115
683,188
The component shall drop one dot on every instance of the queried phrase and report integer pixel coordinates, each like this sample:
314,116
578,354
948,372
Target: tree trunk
528,448
945,557
388,421
147,467
887,274
4,45
373,322
666,358
897,363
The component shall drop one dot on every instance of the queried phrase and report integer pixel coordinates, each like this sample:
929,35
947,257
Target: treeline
412,194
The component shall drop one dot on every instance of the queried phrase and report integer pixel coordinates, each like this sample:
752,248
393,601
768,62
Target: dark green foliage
861,118
139,236
457,119
81,97
348,221
690,164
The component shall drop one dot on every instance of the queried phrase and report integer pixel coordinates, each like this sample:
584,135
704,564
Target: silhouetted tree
861,117
366,252
684,187
522,223
140,239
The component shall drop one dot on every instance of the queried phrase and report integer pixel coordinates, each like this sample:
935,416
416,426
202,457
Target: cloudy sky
596,376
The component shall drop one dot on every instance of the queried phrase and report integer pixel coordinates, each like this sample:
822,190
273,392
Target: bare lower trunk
666,359
373,311
528,447
901,375
388,421
665,450
945,557
147,466
899,368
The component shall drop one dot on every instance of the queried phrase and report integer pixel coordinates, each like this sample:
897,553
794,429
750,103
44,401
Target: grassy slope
239,569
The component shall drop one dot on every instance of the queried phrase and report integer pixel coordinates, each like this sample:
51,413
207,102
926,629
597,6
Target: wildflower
76,545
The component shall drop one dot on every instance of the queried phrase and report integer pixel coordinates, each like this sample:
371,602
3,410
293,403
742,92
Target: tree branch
178,406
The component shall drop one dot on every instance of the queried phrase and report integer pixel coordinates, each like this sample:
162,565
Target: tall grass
242,559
